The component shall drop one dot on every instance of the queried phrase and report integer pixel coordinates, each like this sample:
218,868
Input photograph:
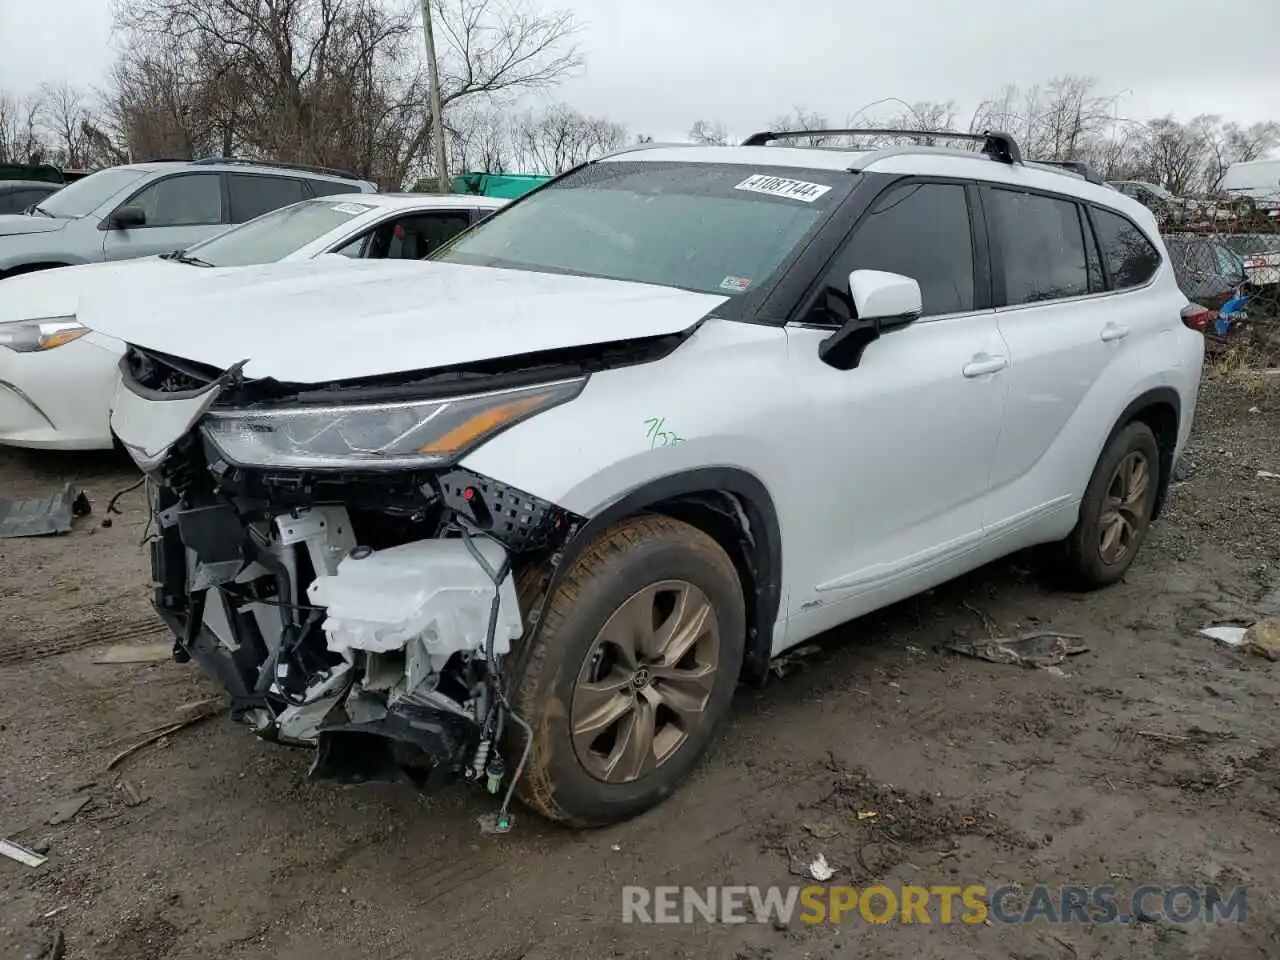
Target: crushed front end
320,553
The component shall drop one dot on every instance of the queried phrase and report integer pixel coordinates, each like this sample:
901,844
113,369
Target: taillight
1196,317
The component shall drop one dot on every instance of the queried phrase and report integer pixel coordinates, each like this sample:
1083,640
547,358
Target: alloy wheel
645,681
1123,510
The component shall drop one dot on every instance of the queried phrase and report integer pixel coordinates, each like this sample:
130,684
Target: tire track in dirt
23,649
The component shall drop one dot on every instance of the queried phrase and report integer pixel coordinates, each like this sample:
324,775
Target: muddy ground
1153,759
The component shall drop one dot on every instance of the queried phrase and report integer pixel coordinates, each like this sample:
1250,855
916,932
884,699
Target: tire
1086,560
573,674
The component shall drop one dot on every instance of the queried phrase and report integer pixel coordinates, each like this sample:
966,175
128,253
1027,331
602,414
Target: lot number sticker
783,187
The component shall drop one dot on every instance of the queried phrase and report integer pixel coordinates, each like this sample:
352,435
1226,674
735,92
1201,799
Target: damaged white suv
687,407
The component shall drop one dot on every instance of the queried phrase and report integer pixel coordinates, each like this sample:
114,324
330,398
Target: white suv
688,407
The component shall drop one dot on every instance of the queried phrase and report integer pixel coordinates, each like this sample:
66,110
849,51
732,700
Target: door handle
983,364
1113,331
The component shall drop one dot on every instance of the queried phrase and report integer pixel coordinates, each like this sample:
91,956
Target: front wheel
1116,510
632,672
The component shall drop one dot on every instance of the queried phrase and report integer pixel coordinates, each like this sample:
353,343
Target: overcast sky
658,65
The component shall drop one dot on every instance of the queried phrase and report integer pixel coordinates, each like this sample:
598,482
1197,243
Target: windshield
81,198
275,235
711,228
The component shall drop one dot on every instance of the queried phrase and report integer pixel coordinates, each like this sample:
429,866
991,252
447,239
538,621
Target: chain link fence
1226,257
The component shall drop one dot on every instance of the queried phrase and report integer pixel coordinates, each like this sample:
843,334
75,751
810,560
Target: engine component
430,591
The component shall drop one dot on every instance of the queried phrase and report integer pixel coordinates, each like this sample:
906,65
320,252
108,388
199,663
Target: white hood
308,323
57,292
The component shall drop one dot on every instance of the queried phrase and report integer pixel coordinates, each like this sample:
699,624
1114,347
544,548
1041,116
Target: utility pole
433,80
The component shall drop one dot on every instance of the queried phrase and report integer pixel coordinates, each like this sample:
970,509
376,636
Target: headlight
373,436
32,336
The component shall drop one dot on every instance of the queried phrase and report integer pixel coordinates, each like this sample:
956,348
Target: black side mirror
882,302
127,216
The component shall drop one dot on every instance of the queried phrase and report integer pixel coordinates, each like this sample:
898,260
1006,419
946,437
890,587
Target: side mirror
127,216
882,302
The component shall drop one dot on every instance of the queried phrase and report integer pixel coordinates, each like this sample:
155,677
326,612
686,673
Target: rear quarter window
327,188
1130,257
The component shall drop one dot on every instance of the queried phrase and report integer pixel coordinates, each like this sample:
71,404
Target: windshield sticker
736,284
782,187
352,208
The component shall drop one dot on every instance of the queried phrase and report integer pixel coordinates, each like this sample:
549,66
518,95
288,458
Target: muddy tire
1115,513
632,673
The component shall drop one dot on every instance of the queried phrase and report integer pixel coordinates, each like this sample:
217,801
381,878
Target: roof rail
996,145
305,167
1075,166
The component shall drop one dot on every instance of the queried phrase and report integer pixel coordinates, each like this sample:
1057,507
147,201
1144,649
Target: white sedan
57,376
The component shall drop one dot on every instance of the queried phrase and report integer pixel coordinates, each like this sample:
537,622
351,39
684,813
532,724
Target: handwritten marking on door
659,435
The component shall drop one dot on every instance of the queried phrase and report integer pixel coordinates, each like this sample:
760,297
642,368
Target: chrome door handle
1113,331
983,364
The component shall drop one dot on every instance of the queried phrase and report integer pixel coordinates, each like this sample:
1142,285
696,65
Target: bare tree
67,120
20,130
333,82
1174,154
561,138
1230,143
713,134
800,120
1053,122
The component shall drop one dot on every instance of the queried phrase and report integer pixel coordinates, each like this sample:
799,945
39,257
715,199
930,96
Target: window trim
224,201
983,279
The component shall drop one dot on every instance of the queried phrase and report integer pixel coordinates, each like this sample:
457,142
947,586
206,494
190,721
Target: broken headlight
373,436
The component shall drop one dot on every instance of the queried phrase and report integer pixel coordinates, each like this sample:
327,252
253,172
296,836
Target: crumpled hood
318,322
57,292
16,224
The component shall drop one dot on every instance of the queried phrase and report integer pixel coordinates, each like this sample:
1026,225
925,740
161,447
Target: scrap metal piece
20,853
1029,650
43,516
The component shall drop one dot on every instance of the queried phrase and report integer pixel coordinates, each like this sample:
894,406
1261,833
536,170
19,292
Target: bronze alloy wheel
1124,508
645,681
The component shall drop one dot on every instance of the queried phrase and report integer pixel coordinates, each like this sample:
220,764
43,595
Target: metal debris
20,853
43,516
67,809
137,653
783,664
1228,636
1029,650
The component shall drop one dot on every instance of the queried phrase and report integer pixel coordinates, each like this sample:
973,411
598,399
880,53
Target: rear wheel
632,673
1116,510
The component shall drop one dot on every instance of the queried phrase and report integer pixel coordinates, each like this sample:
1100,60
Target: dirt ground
1153,758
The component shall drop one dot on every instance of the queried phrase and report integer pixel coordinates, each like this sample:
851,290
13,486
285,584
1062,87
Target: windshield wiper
36,208
181,257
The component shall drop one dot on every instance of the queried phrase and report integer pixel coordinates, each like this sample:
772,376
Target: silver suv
147,208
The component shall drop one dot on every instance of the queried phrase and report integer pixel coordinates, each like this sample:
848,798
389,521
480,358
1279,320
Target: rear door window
921,231
1038,246
1130,257
252,196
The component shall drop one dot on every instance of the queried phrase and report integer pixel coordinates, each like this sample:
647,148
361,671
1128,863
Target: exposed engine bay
366,613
